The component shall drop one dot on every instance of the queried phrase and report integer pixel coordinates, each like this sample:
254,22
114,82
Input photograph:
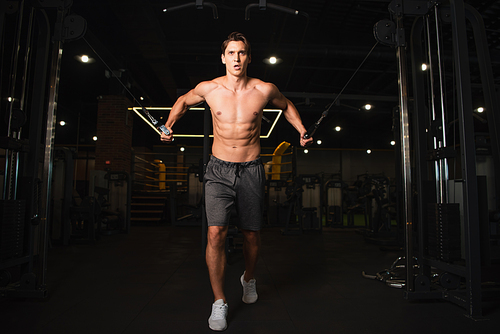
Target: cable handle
312,129
153,120
164,129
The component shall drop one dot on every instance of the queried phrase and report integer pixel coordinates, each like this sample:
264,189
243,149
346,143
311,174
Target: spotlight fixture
94,138
424,67
306,151
62,123
319,142
84,59
182,149
338,128
393,142
272,60
480,109
367,106
368,151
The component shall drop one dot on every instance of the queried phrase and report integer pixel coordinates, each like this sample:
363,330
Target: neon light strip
137,110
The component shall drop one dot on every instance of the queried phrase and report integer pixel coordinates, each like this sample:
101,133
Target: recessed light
272,60
84,59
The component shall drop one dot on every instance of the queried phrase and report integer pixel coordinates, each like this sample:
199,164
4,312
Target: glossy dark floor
154,280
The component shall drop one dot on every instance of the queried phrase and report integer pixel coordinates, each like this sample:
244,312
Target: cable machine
33,33
442,192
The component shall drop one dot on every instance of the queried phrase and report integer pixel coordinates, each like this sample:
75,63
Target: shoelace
250,288
219,311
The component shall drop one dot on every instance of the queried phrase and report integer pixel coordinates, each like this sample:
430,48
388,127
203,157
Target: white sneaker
217,320
249,290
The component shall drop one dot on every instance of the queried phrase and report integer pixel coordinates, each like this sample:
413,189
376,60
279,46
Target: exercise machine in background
304,204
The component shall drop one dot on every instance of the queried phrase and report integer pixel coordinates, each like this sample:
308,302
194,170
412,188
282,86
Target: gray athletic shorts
238,184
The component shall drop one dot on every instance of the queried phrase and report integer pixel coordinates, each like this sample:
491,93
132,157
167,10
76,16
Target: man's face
236,58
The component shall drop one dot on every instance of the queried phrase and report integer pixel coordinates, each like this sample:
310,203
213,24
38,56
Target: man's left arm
291,113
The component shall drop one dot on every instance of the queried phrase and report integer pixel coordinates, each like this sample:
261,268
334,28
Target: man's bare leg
251,245
216,259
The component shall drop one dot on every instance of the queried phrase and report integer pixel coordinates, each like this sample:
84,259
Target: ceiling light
480,109
367,106
94,138
272,60
338,128
368,151
319,142
9,99
182,149
393,142
306,151
424,67
62,123
84,59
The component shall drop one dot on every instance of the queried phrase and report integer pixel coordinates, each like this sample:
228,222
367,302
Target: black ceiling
162,54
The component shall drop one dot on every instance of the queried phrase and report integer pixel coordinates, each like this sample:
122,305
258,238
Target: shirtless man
235,174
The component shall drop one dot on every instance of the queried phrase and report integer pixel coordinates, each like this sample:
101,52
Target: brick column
114,133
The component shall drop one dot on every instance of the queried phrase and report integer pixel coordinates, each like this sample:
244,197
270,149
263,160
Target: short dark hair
235,37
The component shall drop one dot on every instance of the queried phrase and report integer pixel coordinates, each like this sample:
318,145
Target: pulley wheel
422,283
449,281
28,281
5,278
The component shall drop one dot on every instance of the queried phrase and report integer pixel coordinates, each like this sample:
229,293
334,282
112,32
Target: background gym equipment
280,172
304,205
334,202
105,211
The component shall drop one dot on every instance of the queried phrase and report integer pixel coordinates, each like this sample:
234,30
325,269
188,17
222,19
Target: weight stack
11,228
443,231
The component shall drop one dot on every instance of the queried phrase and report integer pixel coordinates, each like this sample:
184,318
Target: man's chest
229,107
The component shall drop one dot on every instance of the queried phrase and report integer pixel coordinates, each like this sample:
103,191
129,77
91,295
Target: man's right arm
193,97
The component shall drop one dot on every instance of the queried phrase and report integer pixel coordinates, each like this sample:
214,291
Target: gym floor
154,280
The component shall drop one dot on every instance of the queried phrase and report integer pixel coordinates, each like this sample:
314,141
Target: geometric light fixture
138,111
